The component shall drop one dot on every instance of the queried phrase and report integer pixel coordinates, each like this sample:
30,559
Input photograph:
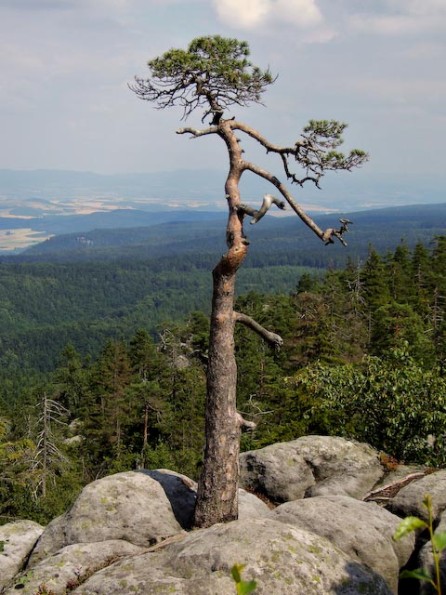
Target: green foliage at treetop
364,356
213,71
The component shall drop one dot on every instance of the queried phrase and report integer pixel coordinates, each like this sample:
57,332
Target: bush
390,402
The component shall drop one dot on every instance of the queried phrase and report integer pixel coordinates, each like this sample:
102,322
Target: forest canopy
371,334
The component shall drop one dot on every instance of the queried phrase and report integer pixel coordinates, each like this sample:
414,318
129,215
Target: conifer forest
364,357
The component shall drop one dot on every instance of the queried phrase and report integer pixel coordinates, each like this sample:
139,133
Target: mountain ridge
280,240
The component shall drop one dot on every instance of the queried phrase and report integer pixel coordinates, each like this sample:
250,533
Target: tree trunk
217,496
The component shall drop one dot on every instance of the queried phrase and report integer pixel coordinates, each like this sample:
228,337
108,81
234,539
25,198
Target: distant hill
64,191
119,218
17,233
274,241
86,287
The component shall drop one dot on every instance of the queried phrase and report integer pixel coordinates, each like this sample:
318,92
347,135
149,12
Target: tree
214,74
391,402
48,458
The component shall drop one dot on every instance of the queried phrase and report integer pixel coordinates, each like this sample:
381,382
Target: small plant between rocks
437,540
242,587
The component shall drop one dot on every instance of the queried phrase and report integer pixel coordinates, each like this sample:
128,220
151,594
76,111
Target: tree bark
217,496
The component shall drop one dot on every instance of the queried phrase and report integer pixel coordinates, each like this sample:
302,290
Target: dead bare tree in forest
214,74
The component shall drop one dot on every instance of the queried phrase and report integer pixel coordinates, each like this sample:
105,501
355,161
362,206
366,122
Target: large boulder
181,492
16,542
126,532
281,558
251,507
409,500
363,530
64,571
130,506
311,466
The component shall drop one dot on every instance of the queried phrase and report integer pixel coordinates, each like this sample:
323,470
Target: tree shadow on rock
180,493
361,579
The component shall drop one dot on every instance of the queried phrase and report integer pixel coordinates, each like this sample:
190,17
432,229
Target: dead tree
214,74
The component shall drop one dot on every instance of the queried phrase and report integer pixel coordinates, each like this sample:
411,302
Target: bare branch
266,175
342,163
268,201
271,338
195,132
330,233
244,423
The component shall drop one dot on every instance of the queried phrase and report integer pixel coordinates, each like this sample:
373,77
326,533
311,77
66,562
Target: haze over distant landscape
76,140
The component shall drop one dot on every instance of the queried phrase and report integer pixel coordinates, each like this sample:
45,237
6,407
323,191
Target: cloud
247,14
304,13
250,14
402,17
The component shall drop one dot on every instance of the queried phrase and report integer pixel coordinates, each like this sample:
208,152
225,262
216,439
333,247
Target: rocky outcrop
362,530
129,506
181,493
311,466
281,558
129,532
16,542
409,500
70,566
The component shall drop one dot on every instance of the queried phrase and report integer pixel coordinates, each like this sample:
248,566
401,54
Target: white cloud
304,13
253,13
248,13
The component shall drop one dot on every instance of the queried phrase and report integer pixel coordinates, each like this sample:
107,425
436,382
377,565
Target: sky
378,65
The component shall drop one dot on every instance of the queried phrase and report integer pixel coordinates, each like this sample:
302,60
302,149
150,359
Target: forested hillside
85,288
274,241
364,356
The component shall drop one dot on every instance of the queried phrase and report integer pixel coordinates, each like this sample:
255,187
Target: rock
409,500
311,466
16,541
251,507
130,506
74,440
281,558
125,533
181,492
340,466
399,473
362,530
278,471
64,571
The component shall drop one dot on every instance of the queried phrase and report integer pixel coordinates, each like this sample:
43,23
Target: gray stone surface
130,506
181,493
16,540
281,558
409,500
63,571
325,540
363,530
251,507
278,471
311,466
